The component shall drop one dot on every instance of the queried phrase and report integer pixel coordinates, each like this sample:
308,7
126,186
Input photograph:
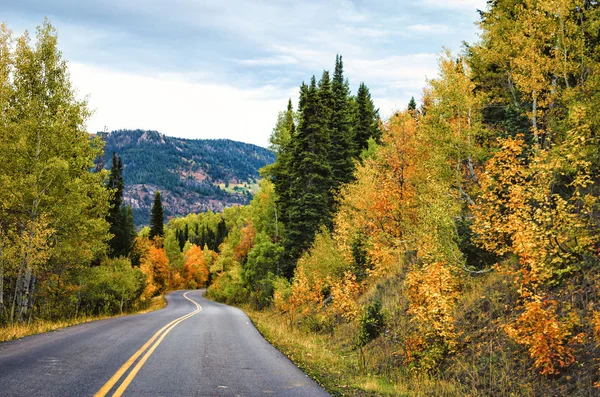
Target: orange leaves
155,265
246,242
195,268
545,336
381,205
306,297
549,234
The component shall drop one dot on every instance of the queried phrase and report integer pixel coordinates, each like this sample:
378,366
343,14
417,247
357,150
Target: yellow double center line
104,390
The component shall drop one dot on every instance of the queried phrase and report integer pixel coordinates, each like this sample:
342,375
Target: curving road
193,347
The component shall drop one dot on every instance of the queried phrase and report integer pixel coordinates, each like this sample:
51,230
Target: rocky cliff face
192,175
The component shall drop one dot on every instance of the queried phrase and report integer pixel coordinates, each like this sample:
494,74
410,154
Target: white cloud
277,60
433,28
456,4
177,107
398,72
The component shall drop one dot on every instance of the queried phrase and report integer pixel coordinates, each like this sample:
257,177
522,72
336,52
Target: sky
224,69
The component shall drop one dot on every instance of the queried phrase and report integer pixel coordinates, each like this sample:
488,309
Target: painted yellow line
115,378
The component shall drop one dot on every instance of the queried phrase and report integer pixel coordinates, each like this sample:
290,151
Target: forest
188,172
450,249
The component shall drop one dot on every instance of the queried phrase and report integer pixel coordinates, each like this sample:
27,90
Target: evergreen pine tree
310,181
281,143
222,231
180,239
412,104
366,121
340,154
119,217
327,103
156,218
126,233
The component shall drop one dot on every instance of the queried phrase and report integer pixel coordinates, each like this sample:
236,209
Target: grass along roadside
20,330
336,369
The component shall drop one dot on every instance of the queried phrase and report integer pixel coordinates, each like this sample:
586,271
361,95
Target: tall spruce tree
327,103
366,120
117,185
279,172
340,155
157,218
310,181
119,217
125,234
412,104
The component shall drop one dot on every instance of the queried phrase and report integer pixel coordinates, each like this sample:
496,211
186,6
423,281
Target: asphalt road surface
193,347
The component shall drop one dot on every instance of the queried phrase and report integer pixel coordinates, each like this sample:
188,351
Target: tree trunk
534,108
122,298
276,223
15,294
23,299
1,282
31,298
472,170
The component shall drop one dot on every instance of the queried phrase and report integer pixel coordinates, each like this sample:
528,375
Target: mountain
193,175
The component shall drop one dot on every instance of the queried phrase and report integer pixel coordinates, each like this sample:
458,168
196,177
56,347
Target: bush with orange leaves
549,234
247,235
306,296
545,336
155,265
432,292
195,268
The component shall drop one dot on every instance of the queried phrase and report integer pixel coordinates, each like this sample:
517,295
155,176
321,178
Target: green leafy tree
412,104
262,260
52,207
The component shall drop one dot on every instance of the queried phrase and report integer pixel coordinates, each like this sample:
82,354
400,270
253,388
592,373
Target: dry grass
337,368
20,330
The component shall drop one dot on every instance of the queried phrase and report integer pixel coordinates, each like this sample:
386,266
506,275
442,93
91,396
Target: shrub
111,287
372,322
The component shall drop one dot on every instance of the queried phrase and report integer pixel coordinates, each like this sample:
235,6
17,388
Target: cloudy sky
223,69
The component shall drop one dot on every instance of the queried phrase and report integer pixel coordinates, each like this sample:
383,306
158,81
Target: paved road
193,347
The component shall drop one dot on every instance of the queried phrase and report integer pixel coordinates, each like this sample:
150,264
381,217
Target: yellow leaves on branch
518,212
545,336
195,268
306,297
344,295
432,293
504,172
380,205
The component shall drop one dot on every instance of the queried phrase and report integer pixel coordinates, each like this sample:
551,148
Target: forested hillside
192,175
452,249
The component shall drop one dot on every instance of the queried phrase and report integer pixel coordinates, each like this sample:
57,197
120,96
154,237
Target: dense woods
68,248
452,249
